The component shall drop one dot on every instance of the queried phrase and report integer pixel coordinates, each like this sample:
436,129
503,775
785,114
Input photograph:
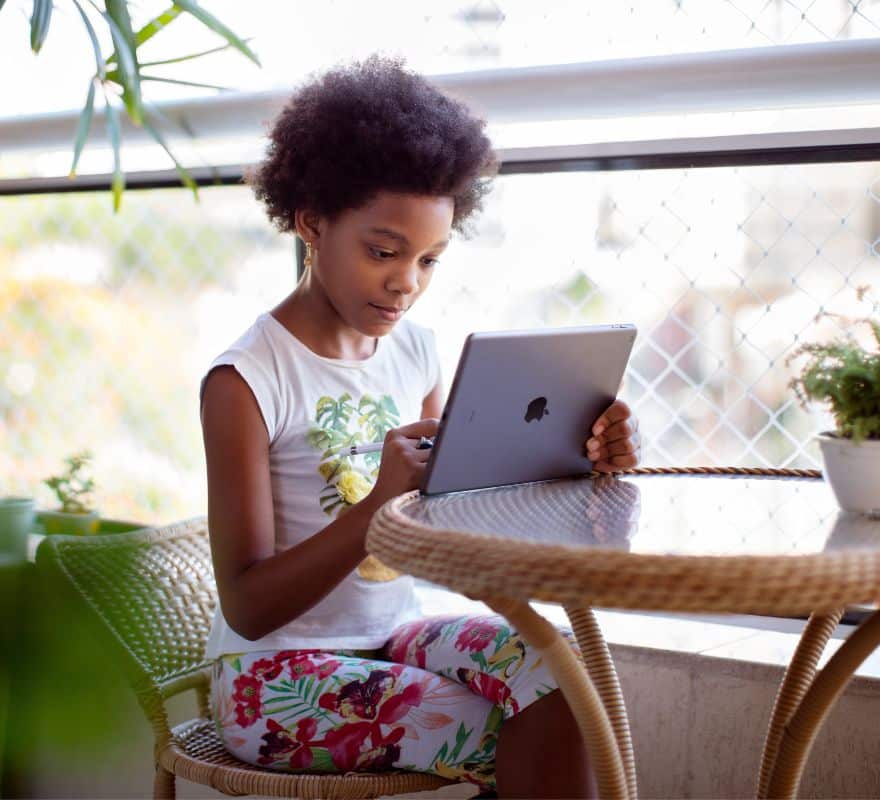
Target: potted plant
846,376
73,488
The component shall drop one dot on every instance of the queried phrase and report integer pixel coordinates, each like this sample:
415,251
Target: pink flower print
326,669
410,644
280,744
310,663
246,715
266,669
344,744
476,635
375,699
247,699
247,689
491,688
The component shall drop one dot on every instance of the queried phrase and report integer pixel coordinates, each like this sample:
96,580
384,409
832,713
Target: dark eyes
383,255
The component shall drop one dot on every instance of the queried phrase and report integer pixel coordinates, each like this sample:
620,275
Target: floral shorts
431,700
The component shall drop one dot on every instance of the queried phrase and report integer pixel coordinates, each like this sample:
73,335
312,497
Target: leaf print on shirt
333,417
377,417
341,424
349,480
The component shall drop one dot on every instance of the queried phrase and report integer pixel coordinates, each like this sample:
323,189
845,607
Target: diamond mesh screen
107,322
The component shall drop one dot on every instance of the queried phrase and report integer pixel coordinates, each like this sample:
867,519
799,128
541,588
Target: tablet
522,404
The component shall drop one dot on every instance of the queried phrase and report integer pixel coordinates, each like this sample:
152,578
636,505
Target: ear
308,226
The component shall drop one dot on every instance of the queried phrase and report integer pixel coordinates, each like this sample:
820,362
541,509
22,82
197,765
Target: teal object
16,522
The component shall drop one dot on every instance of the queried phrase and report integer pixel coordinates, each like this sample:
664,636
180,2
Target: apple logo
537,409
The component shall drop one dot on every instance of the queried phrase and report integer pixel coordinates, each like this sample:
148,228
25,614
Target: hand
615,443
403,464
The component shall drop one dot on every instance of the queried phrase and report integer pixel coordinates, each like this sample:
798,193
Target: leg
541,750
541,753
304,711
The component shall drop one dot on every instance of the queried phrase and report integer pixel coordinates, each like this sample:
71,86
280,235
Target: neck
310,316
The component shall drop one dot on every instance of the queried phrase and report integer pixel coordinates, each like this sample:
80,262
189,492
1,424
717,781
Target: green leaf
83,127
99,59
461,736
440,758
210,21
185,177
41,16
155,25
118,184
185,83
152,28
123,42
189,57
322,761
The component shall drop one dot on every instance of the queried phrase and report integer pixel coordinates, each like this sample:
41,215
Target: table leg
577,688
800,732
600,667
797,680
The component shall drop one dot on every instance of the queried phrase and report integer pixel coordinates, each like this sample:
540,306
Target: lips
389,313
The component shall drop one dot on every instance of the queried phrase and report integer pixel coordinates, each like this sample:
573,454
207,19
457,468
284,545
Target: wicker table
765,542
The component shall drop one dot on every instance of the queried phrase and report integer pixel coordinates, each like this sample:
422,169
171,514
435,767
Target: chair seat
197,754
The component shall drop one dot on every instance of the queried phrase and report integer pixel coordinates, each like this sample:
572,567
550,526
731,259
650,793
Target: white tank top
310,405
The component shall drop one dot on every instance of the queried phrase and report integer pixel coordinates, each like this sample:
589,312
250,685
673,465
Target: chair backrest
151,590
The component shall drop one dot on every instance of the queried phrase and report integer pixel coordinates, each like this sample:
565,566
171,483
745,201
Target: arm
259,590
432,405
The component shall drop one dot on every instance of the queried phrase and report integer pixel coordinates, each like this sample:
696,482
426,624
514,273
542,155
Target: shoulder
258,348
245,375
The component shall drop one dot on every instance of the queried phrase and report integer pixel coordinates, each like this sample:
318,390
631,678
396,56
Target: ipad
522,404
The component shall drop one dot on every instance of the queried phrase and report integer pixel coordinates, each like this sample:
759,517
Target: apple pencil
376,447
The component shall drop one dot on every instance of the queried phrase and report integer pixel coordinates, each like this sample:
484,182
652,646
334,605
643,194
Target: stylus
376,447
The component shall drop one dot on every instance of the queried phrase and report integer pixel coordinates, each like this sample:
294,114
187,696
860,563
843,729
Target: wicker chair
152,591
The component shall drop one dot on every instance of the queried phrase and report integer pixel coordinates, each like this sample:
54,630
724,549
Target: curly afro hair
372,126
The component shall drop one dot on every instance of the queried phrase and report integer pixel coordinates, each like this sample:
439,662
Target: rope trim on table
767,472
611,578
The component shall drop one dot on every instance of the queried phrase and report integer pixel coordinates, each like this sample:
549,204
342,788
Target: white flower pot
853,470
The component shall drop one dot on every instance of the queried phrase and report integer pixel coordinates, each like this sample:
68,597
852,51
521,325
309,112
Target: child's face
374,262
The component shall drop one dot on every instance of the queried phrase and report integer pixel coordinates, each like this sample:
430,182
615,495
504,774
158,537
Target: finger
596,444
616,463
625,462
619,448
615,431
421,456
415,430
616,412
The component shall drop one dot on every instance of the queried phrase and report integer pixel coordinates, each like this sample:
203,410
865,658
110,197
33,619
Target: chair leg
163,784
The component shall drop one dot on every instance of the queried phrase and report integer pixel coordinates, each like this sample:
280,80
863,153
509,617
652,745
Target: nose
404,279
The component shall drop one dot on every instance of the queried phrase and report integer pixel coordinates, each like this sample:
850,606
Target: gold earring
307,260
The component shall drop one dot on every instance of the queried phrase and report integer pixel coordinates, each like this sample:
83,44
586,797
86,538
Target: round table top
695,543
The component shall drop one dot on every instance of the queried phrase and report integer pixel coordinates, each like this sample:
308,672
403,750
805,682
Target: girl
322,662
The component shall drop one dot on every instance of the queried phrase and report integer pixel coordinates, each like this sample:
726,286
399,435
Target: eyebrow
401,238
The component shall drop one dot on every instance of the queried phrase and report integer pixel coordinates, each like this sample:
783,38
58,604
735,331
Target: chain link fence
108,322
